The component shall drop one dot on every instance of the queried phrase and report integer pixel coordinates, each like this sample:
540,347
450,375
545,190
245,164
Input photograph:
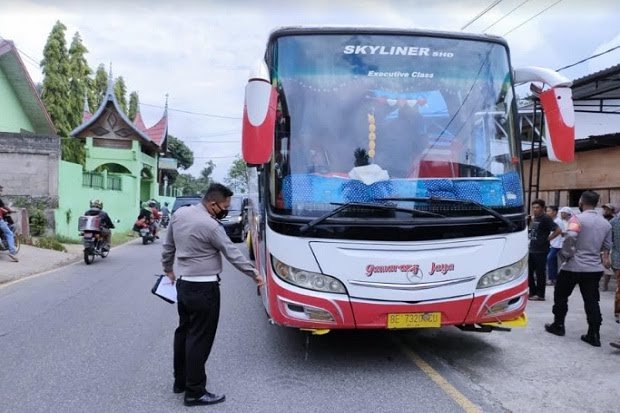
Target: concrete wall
29,165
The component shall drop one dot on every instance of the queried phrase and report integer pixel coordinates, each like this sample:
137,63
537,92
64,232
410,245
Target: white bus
387,173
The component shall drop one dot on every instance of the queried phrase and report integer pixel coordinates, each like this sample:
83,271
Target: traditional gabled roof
150,136
86,112
13,67
139,122
158,131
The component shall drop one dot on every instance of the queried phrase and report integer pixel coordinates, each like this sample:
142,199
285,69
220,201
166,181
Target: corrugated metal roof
604,84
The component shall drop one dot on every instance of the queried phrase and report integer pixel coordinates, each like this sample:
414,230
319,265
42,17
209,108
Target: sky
200,53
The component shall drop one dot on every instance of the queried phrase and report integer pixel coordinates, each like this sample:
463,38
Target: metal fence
96,180
92,180
114,183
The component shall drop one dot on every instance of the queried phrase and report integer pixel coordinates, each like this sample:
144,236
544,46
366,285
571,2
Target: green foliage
38,222
79,80
238,177
72,150
50,243
99,87
191,185
134,102
179,151
55,67
120,91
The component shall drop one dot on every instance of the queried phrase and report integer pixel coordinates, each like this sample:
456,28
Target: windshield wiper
347,205
458,201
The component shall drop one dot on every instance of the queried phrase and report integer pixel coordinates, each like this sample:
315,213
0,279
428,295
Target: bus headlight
307,279
503,275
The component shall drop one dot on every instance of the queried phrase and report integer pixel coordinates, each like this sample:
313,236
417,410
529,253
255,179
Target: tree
238,177
120,91
134,102
190,185
179,151
79,80
100,86
55,67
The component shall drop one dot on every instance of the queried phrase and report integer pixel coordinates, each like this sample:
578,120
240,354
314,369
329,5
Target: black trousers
537,263
199,312
588,285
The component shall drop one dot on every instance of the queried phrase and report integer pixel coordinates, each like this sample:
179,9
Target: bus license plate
414,320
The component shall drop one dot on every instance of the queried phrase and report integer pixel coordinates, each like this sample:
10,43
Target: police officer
193,245
588,239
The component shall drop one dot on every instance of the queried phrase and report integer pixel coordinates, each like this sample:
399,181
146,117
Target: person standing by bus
192,249
555,246
588,237
542,231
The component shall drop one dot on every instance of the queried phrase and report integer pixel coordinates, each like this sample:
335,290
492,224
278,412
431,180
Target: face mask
222,214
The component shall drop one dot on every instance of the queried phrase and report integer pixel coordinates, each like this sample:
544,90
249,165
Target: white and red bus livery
387,183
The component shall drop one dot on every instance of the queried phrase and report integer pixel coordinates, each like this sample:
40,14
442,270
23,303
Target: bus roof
305,30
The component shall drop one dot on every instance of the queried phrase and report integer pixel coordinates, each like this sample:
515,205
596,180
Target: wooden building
597,146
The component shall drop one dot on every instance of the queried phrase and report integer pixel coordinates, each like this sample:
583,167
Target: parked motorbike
92,238
4,245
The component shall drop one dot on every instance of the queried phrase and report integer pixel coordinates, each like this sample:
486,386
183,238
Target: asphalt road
94,339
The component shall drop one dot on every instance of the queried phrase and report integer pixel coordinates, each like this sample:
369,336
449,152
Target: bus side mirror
259,118
557,104
559,113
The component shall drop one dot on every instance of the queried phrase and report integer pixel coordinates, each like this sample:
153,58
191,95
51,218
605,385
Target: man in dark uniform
542,231
194,244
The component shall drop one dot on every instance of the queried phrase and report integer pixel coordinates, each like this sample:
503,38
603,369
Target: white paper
167,289
369,174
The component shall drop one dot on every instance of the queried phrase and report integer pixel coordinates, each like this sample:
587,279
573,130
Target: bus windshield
364,118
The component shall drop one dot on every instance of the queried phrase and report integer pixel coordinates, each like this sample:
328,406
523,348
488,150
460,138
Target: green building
121,168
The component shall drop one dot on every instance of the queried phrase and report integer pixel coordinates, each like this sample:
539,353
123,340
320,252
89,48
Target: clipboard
165,289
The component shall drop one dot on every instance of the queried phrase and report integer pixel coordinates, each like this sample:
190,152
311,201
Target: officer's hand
171,276
259,280
607,262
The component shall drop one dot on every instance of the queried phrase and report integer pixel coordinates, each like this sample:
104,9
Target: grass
119,238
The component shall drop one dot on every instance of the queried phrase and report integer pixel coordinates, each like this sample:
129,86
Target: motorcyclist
146,219
106,224
165,215
4,227
156,217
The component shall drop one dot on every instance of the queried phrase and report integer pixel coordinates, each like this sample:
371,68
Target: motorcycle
147,235
165,219
4,245
92,238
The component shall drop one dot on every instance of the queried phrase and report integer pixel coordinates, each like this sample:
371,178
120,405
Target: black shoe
555,328
178,389
208,398
593,339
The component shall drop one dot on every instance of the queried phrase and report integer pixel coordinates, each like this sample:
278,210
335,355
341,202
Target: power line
210,115
215,157
534,16
482,13
505,15
588,58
